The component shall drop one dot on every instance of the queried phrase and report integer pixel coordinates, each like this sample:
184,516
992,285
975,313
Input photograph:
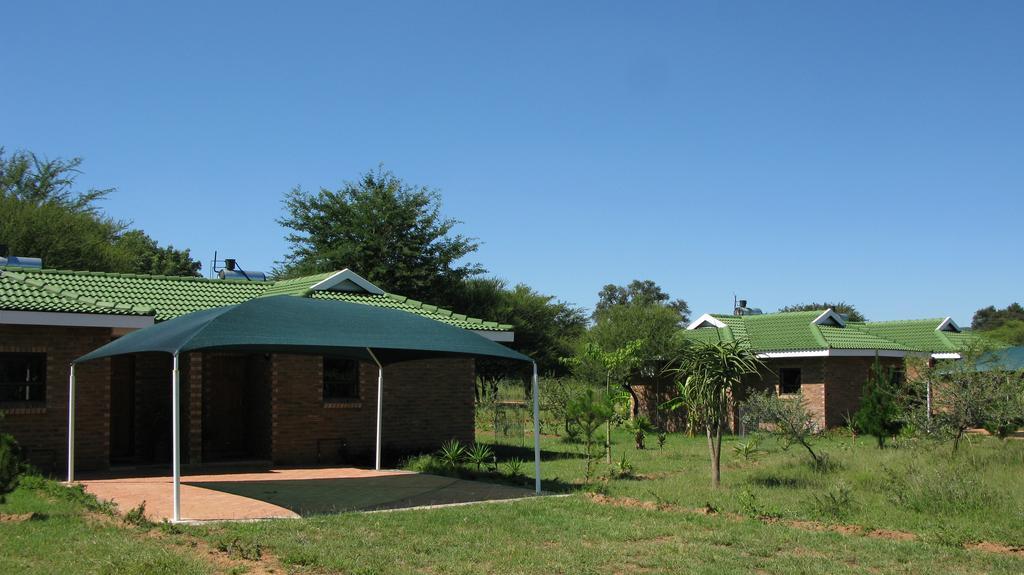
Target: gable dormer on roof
706,320
830,317
948,325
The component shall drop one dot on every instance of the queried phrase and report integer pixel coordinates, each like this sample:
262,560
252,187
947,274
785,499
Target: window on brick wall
897,377
341,380
22,378
789,380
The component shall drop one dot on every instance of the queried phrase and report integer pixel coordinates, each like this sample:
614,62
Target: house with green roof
288,409
821,354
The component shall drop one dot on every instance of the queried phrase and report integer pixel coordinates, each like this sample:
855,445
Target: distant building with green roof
820,354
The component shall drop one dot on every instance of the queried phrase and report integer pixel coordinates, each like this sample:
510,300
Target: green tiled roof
300,286
796,331
166,297
919,334
413,306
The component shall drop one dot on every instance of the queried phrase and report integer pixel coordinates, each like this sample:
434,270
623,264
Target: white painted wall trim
948,325
13,317
505,336
706,319
832,353
333,282
829,316
947,355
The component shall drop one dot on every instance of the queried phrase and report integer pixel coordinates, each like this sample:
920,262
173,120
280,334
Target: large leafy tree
1002,325
989,317
45,216
706,376
839,307
546,329
649,329
642,293
389,231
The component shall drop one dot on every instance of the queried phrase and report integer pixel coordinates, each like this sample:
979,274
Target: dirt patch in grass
16,517
843,529
228,557
996,548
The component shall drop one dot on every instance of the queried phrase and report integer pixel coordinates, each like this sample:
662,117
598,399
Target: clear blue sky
784,151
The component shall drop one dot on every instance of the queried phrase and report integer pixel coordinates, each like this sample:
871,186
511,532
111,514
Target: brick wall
42,429
846,379
651,392
425,403
813,375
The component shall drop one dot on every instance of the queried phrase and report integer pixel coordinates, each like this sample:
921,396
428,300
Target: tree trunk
608,426
634,408
715,447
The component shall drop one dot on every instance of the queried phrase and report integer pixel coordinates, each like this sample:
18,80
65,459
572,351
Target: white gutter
13,317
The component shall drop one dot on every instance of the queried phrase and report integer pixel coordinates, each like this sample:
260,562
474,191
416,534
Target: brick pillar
195,407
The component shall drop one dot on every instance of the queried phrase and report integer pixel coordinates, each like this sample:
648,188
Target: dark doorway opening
122,409
236,407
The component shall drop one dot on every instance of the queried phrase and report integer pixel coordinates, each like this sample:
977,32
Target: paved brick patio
249,494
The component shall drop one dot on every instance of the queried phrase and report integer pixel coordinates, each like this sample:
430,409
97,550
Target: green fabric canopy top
299,325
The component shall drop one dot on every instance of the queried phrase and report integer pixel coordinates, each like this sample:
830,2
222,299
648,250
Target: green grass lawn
945,501
65,537
976,494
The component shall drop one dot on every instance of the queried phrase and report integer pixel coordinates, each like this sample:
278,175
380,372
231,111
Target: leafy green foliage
639,426
749,449
705,378
1009,332
45,217
452,453
11,464
480,455
640,293
390,232
989,318
836,502
546,329
839,307
879,414
966,394
787,418
137,516
514,467
588,411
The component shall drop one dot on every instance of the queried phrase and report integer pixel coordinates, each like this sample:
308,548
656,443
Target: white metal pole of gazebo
71,425
380,406
536,431
176,438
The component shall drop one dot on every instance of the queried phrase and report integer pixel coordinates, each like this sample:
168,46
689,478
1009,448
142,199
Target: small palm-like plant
748,450
452,453
514,467
639,427
479,455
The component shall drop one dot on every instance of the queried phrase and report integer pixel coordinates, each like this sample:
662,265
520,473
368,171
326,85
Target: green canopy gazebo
303,326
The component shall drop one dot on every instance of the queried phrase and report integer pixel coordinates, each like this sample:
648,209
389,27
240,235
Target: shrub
789,419
452,453
72,493
623,469
748,450
11,465
639,427
479,455
836,502
137,516
879,413
514,467
945,489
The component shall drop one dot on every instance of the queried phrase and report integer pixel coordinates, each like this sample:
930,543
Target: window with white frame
22,378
